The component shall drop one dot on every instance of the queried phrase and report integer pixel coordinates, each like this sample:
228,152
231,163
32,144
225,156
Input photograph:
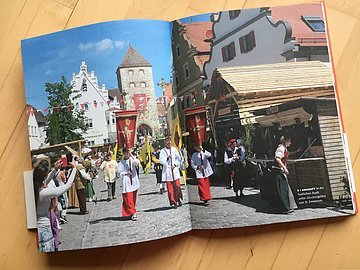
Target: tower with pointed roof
136,85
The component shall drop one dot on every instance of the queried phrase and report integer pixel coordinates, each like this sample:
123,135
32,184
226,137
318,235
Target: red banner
140,101
126,128
195,119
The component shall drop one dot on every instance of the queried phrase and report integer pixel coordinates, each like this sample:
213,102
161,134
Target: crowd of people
60,187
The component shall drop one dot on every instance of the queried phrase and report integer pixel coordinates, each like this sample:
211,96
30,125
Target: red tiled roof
40,117
300,30
197,32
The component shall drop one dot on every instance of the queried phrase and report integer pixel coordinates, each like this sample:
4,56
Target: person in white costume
130,183
170,159
203,170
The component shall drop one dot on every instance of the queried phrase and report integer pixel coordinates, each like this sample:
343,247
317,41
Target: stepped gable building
267,35
99,109
136,85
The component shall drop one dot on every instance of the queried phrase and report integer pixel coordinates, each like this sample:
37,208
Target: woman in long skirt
285,199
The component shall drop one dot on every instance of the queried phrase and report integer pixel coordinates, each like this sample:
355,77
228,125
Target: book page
256,96
98,133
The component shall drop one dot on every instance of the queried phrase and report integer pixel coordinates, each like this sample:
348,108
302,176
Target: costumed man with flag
203,170
145,155
176,140
171,161
158,167
130,183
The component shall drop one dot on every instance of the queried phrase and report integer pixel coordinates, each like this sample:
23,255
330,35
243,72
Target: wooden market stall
295,98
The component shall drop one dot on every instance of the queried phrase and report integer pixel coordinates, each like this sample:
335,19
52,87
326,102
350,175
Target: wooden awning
56,147
285,118
261,86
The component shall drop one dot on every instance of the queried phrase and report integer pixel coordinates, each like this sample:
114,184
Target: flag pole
171,163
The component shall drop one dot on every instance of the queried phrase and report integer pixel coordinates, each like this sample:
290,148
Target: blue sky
102,46
197,18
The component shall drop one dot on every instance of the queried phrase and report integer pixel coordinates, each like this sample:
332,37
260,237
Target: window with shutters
141,72
132,85
228,52
247,43
130,72
143,84
234,14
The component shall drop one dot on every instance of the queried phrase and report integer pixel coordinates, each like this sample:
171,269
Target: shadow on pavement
101,200
197,203
253,201
109,219
164,208
149,193
76,213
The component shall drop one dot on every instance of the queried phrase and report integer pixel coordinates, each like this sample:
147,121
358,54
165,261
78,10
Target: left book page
96,121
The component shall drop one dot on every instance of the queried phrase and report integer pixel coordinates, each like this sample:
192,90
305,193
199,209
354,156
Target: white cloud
102,46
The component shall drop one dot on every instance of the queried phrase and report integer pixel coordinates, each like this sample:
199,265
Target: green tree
64,123
248,138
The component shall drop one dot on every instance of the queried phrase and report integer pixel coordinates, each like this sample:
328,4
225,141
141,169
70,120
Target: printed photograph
144,129
96,119
262,123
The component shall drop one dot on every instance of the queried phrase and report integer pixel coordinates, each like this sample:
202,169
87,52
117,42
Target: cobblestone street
104,226
225,211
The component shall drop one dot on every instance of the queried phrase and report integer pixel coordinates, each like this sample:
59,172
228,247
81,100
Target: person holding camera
203,170
130,183
43,195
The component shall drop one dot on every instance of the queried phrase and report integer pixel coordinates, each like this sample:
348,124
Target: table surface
319,244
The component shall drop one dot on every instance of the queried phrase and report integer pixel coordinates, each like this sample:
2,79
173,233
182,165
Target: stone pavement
104,226
225,211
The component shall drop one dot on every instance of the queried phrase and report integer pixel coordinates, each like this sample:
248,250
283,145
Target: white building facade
247,37
99,110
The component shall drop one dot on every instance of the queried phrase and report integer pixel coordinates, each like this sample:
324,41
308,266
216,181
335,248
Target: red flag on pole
126,127
195,119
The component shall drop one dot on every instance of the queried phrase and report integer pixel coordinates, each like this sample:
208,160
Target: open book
145,129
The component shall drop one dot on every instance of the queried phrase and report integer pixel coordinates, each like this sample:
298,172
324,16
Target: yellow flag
114,152
145,154
176,140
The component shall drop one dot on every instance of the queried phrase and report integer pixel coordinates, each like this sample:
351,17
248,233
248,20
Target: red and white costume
199,159
171,176
130,185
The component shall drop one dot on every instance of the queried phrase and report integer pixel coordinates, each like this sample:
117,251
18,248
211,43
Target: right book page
255,95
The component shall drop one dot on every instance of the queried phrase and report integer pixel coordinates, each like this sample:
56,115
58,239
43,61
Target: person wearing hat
234,157
109,167
81,179
240,177
229,160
